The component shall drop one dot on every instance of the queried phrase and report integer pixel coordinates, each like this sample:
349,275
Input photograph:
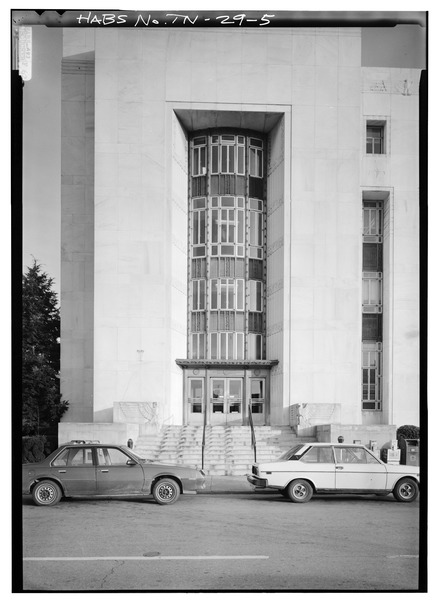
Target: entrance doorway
216,396
226,394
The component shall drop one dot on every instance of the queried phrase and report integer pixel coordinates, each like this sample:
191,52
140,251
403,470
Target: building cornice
186,363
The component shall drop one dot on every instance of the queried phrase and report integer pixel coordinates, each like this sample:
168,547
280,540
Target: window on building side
371,376
375,138
198,349
199,166
199,294
256,158
227,294
256,296
255,349
372,305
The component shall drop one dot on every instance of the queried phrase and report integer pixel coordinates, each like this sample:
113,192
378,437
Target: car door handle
104,470
62,471
339,468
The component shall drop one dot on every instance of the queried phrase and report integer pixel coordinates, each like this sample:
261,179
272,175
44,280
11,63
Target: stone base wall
305,418
365,434
107,433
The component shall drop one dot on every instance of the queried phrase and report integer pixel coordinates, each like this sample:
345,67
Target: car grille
255,470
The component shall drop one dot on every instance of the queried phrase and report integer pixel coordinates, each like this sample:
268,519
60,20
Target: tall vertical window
227,220
256,296
199,156
198,294
198,233
227,226
375,138
256,158
372,305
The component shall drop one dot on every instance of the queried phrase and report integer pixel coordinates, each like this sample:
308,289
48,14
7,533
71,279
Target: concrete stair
228,449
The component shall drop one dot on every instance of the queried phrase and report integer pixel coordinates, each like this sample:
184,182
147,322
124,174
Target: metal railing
203,440
253,435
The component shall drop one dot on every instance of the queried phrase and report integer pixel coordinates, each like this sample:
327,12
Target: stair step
228,450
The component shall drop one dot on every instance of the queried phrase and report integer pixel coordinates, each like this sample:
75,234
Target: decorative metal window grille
256,268
372,257
372,327
255,322
198,321
198,268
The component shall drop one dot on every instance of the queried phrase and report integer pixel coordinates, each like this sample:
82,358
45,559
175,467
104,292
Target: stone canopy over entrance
226,392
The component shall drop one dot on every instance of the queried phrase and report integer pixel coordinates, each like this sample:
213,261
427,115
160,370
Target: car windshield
291,454
137,456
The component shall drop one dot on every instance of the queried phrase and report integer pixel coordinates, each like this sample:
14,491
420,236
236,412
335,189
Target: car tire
46,493
406,490
299,490
166,491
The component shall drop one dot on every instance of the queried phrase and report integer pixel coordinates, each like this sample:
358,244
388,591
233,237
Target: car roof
87,443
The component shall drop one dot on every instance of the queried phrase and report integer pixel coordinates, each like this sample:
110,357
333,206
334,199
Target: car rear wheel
406,490
166,491
46,493
299,491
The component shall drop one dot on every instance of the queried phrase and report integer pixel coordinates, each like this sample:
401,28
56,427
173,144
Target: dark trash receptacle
409,452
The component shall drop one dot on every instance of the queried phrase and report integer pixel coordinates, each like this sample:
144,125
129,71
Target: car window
112,456
74,457
291,454
62,459
353,456
317,454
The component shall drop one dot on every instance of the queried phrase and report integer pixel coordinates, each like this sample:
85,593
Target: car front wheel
46,493
406,490
166,491
299,491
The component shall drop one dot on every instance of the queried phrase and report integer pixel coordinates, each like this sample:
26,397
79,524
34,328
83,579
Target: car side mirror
131,462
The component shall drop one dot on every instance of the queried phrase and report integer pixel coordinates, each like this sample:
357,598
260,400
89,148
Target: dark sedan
84,468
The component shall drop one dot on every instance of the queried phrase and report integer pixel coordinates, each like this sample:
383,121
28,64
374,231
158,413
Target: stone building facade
240,230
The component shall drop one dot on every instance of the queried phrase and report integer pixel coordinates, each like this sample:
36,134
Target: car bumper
257,482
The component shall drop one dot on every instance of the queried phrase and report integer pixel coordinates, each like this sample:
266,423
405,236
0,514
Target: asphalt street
218,542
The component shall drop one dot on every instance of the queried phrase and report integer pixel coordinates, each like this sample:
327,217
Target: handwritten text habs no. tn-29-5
139,20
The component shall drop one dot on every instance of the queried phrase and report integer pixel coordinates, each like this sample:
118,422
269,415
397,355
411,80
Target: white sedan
320,468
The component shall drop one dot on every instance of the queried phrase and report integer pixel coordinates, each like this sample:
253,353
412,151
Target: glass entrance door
196,401
257,401
226,397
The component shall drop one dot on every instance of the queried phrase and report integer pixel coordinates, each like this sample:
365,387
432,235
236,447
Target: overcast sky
401,46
